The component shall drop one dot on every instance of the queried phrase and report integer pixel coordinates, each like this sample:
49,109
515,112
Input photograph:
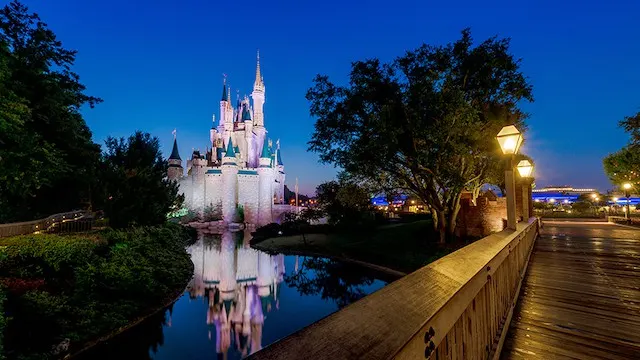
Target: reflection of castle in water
241,286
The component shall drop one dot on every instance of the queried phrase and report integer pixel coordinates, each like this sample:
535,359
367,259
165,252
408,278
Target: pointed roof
224,90
246,114
278,157
265,150
175,155
230,152
258,82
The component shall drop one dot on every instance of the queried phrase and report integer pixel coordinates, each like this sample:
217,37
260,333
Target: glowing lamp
626,186
615,199
552,200
525,168
509,139
594,196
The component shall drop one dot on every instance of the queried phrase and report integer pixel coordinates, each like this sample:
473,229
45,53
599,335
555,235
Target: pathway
581,295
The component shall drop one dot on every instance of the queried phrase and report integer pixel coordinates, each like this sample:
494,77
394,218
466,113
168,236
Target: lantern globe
509,139
525,168
626,186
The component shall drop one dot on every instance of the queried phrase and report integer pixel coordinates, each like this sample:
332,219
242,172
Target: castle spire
230,152
258,83
175,155
224,89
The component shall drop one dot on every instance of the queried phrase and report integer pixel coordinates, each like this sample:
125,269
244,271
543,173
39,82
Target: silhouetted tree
133,178
48,159
424,124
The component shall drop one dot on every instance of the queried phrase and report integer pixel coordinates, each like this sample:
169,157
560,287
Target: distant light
626,186
615,199
566,201
552,200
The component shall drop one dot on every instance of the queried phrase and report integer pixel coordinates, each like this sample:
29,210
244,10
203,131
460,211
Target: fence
68,222
458,307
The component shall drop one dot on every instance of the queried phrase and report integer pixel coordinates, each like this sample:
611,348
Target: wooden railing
458,307
55,223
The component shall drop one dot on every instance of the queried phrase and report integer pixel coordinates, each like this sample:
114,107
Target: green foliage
47,157
344,202
134,183
624,165
81,288
424,124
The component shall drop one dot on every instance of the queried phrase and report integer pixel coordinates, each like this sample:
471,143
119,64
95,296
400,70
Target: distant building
559,194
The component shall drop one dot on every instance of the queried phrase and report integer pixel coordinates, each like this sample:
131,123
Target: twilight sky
158,65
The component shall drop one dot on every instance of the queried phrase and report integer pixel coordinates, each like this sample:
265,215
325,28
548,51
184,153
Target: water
239,301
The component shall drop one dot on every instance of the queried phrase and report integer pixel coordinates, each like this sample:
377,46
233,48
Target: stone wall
483,218
489,214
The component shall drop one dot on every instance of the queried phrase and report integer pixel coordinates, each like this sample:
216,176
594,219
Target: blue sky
158,65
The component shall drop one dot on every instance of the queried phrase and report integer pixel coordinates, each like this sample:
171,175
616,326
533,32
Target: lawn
404,247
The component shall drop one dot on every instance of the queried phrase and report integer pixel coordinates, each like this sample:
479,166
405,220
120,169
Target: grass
403,247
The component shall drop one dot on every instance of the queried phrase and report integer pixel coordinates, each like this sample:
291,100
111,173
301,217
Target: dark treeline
48,160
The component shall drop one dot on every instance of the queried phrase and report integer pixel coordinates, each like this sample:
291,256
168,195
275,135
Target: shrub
3,322
212,213
80,288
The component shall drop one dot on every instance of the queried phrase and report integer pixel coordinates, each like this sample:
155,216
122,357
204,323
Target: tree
624,166
47,156
423,124
135,187
342,201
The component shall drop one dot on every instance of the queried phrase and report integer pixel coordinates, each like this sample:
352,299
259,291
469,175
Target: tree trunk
439,224
453,218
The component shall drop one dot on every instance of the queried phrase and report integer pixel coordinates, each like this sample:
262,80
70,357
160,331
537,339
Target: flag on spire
174,132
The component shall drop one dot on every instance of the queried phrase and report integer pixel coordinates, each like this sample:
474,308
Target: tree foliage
425,123
134,183
47,155
624,165
343,202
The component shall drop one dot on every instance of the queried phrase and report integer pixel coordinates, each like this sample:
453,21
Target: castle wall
248,194
214,187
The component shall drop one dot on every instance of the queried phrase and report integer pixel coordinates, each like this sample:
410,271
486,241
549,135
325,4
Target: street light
510,140
525,168
627,187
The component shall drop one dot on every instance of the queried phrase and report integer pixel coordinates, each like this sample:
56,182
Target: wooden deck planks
581,295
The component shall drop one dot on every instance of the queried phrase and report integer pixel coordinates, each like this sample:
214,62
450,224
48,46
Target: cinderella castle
241,168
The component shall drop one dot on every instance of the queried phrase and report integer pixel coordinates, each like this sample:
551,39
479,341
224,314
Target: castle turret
229,183
224,102
265,173
175,170
258,96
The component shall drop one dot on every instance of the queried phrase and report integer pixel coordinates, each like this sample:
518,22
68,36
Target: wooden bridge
568,290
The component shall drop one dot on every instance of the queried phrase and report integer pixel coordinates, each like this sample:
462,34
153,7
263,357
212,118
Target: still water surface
239,301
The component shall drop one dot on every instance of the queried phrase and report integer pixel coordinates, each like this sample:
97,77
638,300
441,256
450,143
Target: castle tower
258,96
265,184
250,155
229,183
224,103
175,163
279,174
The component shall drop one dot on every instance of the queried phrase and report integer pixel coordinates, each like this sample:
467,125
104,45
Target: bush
81,288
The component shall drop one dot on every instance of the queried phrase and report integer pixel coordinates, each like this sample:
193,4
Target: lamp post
510,140
627,188
525,168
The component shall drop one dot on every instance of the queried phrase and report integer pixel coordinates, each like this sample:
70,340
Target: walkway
581,295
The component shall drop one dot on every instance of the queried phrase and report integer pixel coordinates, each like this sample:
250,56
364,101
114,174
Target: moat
239,301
